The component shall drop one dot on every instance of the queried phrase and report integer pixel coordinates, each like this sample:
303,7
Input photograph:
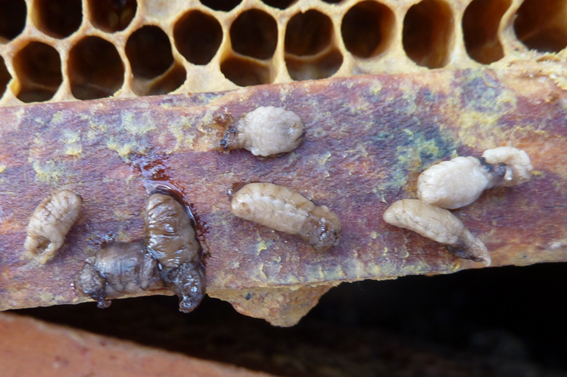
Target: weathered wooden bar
368,138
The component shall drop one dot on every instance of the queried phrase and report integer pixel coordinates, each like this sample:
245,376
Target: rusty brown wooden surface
368,138
33,348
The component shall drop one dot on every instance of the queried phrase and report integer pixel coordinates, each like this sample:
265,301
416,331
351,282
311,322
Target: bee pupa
50,223
281,209
266,131
171,239
516,161
458,182
116,270
439,225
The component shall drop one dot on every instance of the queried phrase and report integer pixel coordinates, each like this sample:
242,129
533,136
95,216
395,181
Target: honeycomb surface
86,49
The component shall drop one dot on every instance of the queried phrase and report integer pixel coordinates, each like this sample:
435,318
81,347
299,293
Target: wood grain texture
368,138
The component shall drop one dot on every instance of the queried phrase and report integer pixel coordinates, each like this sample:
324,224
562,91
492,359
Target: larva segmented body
439,225
517,162
171,239
266,131
457,183
118,269
50,223
281,209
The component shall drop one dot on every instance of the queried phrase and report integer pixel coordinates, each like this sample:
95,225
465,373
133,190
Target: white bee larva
118,269
171,239
266,131
50,223
281,209
518,165
439,225
457,183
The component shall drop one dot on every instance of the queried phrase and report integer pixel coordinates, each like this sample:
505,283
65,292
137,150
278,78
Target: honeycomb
60,50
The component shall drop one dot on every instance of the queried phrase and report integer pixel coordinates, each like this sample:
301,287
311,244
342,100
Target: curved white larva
266,131
50,223
454,184
518,165
281,209
437,224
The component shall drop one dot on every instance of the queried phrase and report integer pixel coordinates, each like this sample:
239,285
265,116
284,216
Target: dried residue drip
266,131
455,184
50,223
279,208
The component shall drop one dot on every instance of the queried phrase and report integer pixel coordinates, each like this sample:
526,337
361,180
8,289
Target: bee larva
517,162
457,183
171,239
439,225
50,223
266,131
281,209
118,269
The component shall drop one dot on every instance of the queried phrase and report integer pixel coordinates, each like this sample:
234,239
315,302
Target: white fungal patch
171,239
266,131
456,183
439,225
50,223
518,165
281,209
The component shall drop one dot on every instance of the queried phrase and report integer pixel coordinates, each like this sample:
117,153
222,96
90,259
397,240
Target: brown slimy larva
517,162
171,239
118,269
439,225
266,131
281,209
50,223
457,183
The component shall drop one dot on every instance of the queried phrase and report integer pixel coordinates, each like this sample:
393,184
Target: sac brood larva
281,209
50,223
118,269
171,239
266,131
439,225
457,183
518,165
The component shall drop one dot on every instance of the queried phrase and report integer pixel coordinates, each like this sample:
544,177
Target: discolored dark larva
118,269
281,209
439,225
266,131
50,223
171,240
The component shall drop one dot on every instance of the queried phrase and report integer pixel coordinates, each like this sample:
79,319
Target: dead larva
457,183
171,239
118,269
266,131
518,165
50,223
439,225
281,209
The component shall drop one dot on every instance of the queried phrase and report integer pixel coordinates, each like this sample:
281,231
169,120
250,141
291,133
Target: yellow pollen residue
2,168
373,235
48,172
261,245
